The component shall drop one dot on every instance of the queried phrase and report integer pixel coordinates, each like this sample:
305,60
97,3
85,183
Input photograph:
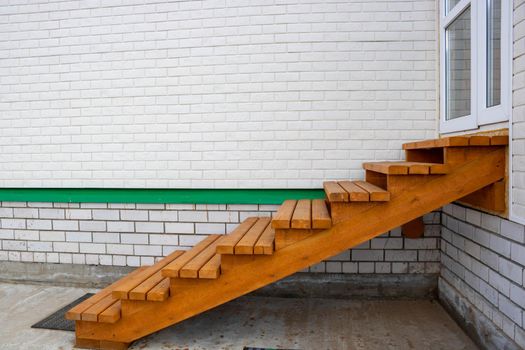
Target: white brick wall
518,112
215,93
136,234
483,258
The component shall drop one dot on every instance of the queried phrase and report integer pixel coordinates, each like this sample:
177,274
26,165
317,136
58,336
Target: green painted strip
184,196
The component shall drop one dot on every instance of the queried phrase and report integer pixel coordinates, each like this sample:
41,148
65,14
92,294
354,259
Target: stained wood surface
248,241
111,314
334,193
302,215
284,215
362,191
228,242
320,216
252,272
173,268
212,269
406,168
376,193
355,193
459,141
414,228
265,244
160,292
122,291
75,313
192,267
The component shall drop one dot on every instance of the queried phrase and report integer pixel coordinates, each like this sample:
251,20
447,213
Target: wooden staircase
302,233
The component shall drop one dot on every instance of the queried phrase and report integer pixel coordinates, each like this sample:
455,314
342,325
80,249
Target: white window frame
479,113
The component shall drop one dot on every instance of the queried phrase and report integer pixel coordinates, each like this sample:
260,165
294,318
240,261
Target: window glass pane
493,52
457,67
450,4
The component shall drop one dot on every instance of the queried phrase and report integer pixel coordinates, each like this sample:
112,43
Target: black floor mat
58,320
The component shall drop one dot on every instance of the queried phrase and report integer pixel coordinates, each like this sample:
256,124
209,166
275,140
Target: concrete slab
251,321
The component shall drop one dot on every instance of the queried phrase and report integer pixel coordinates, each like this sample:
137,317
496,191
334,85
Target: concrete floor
251,321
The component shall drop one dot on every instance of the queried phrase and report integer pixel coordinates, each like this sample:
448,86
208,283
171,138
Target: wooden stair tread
360,191
212,268
122,291
140,292
284,215
228,242
406,168
247,242
376,193
303,214
320,216
266,243
334,192
76,313
160,292
173,268
192,267
355,193
459,141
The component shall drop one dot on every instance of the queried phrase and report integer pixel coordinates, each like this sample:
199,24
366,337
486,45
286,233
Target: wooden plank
355,193
479,140
111,314
247,242
91,314
145,318
265,244
160,292
122,291
377,194
499,140
453,141
212,269
390,168
490,198
414,228
334,193
228,242
283,216
75,313
173,268
192,267
302,215
140,292
320,216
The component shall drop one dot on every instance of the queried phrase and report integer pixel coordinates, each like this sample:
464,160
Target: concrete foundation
283,323
299,285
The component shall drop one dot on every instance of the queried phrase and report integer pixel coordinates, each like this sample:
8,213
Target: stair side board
144,318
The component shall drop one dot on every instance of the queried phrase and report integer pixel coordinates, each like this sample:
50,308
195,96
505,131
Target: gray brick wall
483,259
137,234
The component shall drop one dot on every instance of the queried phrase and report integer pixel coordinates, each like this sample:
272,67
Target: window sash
479,114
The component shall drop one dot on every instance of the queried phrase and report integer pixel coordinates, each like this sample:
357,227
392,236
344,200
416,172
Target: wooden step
145,278
102,307
406,168
197,253
459,141
254,236
302,214
354,191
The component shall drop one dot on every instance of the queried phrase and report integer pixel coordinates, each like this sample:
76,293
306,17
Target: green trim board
140,195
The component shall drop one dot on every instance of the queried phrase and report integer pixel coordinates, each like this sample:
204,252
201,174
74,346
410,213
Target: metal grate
57,320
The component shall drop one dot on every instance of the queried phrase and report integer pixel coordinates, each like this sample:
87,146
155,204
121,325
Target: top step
459,141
